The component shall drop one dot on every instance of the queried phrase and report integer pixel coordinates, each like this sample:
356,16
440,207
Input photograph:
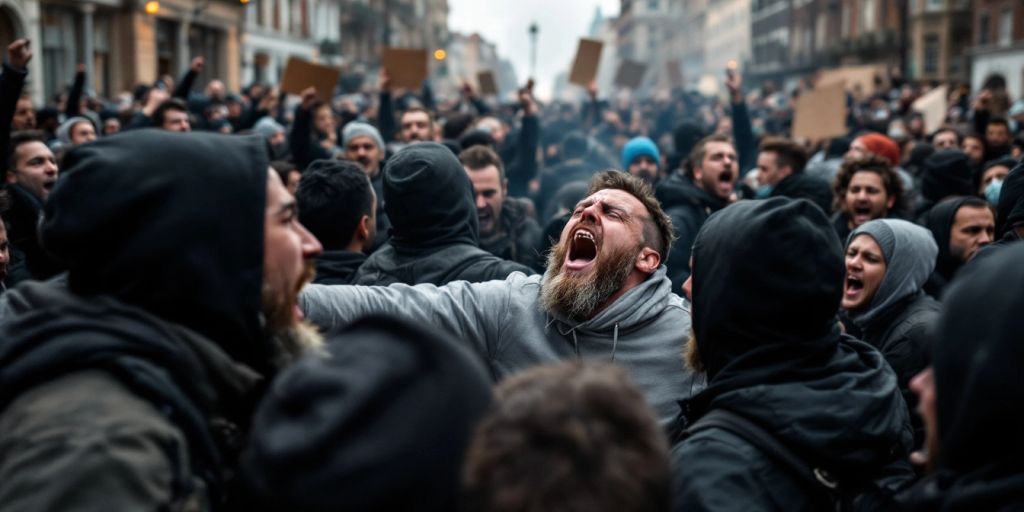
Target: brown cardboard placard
488,85
675,73
933,107
856,78
300,74
820,113
407,67
584,66
630,74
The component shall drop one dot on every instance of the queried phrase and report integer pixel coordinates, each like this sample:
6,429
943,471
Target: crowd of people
253,300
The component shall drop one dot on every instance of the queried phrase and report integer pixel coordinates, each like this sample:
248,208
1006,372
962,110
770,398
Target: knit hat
882,146
909,251
267,127
639,146
64,131
360,129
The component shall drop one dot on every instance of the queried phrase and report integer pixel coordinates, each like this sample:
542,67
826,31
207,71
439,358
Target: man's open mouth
582,250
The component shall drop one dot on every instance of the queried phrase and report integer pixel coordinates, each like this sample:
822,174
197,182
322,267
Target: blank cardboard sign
407,67
821,113
584,67
860,78
488,85
933,107
630,74
675,73
299,74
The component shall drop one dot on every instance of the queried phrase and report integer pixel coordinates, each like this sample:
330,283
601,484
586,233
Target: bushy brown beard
691,354
289,338
577,297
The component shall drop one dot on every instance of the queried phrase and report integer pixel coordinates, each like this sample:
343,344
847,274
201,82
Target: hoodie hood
382,423
939,221
429,199
171,223
1010,210
783,362
909,252
64,130
947,173
799,264
978,384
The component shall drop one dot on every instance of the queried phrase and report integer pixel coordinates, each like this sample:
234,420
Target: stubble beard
577,297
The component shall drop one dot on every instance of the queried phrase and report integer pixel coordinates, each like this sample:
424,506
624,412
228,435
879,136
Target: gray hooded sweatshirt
644,330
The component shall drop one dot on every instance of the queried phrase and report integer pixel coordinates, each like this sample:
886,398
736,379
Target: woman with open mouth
887,264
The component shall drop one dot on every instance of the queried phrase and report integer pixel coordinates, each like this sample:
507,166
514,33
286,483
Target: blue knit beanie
639,146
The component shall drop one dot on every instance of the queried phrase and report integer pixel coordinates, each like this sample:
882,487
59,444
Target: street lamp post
534,29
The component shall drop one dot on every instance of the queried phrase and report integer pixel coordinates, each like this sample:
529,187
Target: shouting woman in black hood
766,286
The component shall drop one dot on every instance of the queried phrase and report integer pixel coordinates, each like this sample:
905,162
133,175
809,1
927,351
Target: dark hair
574,145
18,138
161,111
478,157
700,149
455,125
283,169
998,121
871,163
430,115
333,195
658,232
570,436
959,137
787,153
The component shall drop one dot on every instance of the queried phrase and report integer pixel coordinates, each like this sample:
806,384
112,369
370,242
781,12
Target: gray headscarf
64,130
909,252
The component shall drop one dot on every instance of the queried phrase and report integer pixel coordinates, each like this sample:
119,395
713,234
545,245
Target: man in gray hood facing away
605,295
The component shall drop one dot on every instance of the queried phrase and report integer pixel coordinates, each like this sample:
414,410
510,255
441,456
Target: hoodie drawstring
615,340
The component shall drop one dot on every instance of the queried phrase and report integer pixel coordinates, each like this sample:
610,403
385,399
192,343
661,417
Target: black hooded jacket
939,220
23,220
946,173
801,185
1010,210
767,281
338,267
688,206
162,234
979,387
434,230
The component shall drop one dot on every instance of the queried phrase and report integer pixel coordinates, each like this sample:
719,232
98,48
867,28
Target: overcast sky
505,23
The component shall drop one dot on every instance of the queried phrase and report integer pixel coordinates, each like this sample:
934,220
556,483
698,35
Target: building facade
941,36
998,51
276,30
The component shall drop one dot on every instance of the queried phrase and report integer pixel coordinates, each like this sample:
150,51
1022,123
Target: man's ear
363,229
648,260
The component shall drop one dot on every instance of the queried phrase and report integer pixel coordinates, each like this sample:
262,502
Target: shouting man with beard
131,386
605,296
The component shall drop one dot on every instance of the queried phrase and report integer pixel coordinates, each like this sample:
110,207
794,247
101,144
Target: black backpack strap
763,440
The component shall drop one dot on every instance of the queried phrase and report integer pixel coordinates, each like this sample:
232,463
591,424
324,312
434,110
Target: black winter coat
688,207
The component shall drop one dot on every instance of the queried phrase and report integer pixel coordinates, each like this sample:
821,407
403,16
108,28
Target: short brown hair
658,231
872,163
430,115
477,157
700,149
787,153
570,436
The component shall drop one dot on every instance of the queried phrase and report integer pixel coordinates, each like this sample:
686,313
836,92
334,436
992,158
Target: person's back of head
573,436
574,146
799,265
947,173
428,198
382,423
1010,210
787,153
334,199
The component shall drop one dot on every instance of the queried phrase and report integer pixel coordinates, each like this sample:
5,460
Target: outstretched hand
309,97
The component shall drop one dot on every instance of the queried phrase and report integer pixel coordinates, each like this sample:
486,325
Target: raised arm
12,81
